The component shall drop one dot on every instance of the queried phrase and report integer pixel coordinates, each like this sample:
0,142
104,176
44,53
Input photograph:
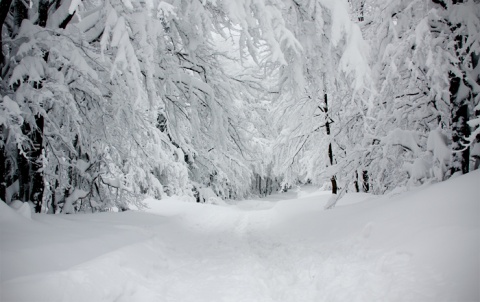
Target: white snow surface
422,245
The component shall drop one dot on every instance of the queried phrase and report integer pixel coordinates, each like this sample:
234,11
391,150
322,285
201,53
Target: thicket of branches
103,102
414,117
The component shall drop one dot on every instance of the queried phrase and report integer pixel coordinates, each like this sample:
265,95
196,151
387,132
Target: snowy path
420,246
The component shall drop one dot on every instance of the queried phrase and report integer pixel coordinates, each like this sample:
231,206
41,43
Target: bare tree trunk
330,149
357,187
366,183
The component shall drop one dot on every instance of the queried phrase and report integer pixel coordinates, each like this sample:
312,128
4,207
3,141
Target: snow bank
353,198
12,213
421,245
427,240
22,208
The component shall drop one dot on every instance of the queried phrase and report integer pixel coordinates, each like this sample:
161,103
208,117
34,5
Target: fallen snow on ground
422,245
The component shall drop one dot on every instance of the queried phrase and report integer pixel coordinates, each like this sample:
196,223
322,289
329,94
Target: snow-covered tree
415,125
105,101
318,89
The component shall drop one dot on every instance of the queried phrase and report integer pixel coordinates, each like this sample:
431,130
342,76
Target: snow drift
422,245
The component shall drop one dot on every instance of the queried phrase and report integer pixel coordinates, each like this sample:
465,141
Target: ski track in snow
255,253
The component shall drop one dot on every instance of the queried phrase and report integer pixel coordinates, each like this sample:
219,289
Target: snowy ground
417,246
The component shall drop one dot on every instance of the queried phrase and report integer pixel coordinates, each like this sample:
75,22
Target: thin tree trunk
366,183
330,149
23,170
43,8
36,194
460,115
30,175
21,13
357,187
259,185
4,9
460,130
3,174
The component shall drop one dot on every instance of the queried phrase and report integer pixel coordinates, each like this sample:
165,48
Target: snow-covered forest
105,102
115,105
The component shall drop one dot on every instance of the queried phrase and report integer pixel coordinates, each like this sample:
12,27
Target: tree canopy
103,102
